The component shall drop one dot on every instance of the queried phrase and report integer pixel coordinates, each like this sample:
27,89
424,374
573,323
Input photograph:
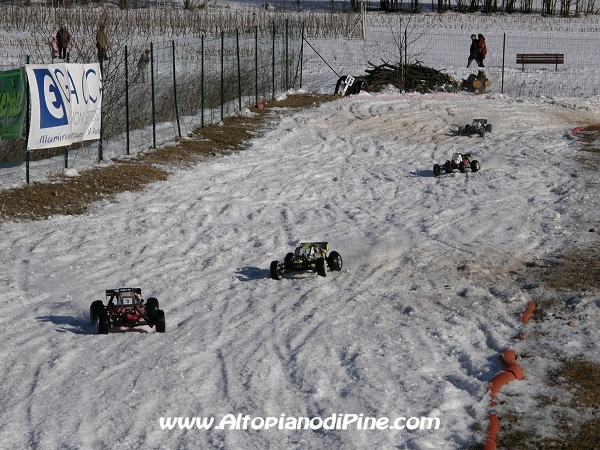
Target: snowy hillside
428,297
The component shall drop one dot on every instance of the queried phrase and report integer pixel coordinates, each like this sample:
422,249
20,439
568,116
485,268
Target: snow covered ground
429,295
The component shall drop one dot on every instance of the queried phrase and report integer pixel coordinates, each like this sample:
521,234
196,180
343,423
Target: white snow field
411,327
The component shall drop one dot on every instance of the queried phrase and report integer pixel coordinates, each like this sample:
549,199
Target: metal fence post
255,64
273,62
301,54
153,102
222,73
237,50
286,55
27,124
126,103
202,81
503,55
27,160
175,93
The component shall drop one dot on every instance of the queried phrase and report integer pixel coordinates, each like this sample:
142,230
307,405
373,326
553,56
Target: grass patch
71,196
572,272
582,379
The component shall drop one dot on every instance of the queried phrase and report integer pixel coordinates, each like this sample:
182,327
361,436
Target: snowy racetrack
431,290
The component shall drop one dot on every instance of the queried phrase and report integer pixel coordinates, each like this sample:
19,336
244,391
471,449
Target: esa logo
53,111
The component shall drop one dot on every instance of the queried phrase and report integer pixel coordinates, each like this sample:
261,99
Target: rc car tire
475,166
436,170
462,167
275,270
95,308
335,261
481,132
321,267
151,307
488,128
159,321
448,168
103,322
288,262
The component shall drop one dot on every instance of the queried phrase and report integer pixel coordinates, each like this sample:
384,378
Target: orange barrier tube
502,379
528,312
492,434
513,372
509,358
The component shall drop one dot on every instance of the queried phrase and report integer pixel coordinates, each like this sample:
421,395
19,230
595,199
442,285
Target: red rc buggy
460,162
126,308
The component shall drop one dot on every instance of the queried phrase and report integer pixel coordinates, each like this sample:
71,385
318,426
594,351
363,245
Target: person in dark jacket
101,44
482,50
142,65
64,38
473,51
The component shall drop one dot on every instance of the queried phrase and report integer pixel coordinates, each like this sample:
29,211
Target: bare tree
590,7
565,7
526,6
549,7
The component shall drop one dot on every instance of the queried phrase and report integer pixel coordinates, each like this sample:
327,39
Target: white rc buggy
478,126
308,257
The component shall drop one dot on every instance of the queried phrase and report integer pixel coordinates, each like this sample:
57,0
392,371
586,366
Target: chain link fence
196,81
185,85
326,59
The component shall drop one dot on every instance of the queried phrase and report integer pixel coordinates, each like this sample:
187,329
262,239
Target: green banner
13,103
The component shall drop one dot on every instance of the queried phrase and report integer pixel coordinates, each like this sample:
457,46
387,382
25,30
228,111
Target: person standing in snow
64,38
473,50
482,50
101,44
141,65
54,50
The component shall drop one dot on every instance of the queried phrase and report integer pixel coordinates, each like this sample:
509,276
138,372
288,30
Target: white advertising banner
65,104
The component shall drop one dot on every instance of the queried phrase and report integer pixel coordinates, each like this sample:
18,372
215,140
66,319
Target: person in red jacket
481,50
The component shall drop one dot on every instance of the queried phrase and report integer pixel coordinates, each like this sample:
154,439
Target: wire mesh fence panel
12,162
218,74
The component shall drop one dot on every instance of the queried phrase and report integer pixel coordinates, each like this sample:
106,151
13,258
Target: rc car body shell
125,307
478,126
308,257
460,161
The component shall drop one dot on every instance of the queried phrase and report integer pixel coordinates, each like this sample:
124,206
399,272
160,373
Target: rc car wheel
276,270
151,307
462,167
95,308
103,323
488,128
448,168
288,262
481,132
321,267
335,261
475,165
159,321
436,170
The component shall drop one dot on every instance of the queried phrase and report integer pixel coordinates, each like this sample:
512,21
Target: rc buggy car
460,162
308,257
479,126
126,308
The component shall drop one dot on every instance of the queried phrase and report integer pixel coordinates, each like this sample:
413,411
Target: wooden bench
540,58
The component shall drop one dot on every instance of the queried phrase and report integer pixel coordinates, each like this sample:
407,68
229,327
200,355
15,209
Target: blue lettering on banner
88,74
53,112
